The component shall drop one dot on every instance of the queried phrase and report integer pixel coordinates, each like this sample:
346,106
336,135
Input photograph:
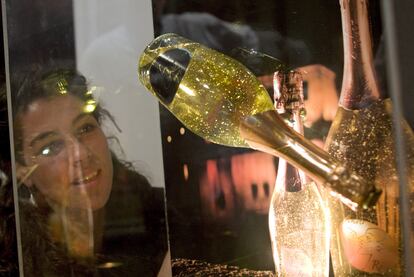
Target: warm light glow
185,171
169,139
110,265
90,106
250,172
217,193
182,131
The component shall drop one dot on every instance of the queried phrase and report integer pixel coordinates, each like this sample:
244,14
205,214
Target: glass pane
8,242
87,141
96,155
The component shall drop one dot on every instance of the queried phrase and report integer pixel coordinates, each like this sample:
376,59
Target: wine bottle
220,100
365,243
298,219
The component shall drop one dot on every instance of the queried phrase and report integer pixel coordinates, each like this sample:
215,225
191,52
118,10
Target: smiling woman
82,211
70,152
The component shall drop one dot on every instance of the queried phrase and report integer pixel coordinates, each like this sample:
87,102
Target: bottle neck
297,122
289,178
359,87
289,102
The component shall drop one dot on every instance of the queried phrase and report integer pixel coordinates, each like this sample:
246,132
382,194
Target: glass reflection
217,208
240,184
83,211
252,173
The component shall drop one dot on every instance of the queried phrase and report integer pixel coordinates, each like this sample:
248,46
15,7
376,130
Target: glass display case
98,178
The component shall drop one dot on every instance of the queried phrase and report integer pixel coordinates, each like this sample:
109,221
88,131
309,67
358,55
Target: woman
83,212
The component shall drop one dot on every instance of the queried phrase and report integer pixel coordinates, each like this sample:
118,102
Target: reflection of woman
83,211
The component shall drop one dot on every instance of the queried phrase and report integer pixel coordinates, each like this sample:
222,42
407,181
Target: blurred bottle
366,243
220,100
298,219
260,64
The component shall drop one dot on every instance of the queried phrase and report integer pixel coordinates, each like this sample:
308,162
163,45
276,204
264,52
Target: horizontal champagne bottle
220,100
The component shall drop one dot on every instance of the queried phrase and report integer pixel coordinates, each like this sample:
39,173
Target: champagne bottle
298,219
365,243
220,100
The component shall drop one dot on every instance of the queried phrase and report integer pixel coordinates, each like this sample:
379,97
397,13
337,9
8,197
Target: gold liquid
299,232
364,141
211,99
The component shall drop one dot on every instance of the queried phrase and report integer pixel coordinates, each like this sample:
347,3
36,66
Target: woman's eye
51,149
86,128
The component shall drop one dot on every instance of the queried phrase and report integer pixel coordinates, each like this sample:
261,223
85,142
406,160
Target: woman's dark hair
49,83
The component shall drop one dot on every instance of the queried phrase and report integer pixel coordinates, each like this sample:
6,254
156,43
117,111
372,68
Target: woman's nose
79,152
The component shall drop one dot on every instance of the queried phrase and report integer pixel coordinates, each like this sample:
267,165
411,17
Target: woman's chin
86,200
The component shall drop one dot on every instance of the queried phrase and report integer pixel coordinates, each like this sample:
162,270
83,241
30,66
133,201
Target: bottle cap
288,91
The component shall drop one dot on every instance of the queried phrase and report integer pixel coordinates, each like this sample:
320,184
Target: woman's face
73,165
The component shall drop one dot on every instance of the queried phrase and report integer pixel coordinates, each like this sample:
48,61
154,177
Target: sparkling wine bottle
298,219
220,100
366,243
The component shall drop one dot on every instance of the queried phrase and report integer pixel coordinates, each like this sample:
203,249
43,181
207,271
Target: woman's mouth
88,178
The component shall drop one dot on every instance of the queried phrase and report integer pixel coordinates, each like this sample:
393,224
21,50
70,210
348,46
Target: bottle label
367,247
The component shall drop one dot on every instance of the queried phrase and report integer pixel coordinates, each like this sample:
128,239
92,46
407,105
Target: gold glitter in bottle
365,243
298,218
220,100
